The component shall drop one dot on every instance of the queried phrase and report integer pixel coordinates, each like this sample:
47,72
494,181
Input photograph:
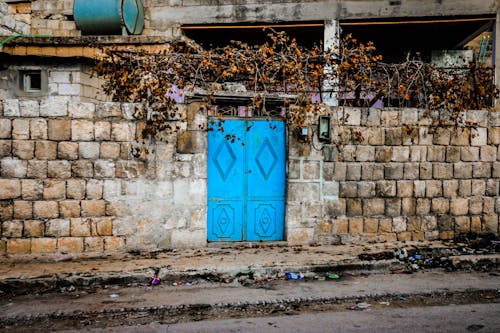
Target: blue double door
246,180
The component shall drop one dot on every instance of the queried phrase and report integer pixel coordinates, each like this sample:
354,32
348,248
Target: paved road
453,318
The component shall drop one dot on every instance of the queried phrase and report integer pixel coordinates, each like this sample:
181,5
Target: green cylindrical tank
109,17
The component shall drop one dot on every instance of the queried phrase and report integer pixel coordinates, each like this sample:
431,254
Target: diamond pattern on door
266,158
224,159
224,221
265,224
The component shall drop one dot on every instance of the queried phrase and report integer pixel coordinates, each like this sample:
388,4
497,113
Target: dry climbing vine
355,73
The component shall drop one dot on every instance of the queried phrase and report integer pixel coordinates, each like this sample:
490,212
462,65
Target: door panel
246,181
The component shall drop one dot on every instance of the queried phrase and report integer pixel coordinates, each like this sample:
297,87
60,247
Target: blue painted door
246,181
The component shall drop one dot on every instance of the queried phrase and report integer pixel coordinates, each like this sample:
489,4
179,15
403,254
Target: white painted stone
11,108
53,108
29,108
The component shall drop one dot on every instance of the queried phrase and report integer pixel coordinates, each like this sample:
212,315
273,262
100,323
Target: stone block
423,206
57,228
413,223
478,187
488,154
58,169
23,209
442,171
399,224
5,148
340,171
32,189
475,224
365,189
356,225
494,136
11,189
20,129
104,169
80,227
102,226
59,129
190,142
492,187
102,130
404,236
460,136
393,207
400,154
124,131
331,190
29,108
434,188
93,208
93,244
417,236
405,188
495,172
11,108
436,154
118,243
18,246
393,137
5,128
365,153
411,171
12,229
37,169
82,130
82,168
462,170
46,150
335,208
54,190
70,244
479,137
43,245
38,129
23,149
425,138
33,228
453,154
67,150
408,206
425,170
372,171
441,136
386,188
462,224
14,168
89,150
81,110
440,205
354,207
481,170
490,224
370,225
45,209
94,189
469,154
69,208
375,136
353,171
385,225
134,169
418,153
373,207
383,154
53,108
352,117
450,188
108,110
429,223
311,169
394,171
475,205
373,117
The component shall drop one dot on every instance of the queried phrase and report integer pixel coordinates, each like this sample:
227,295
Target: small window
31,81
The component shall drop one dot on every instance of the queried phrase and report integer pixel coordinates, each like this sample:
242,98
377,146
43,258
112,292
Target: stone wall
15,18
76,178
395,176
72,180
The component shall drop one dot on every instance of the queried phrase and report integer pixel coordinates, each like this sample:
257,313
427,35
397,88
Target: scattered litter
384,303
360,306
176,257
401,254
294,276
489,297
114,296
402,298
332,276
474,328
154,280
